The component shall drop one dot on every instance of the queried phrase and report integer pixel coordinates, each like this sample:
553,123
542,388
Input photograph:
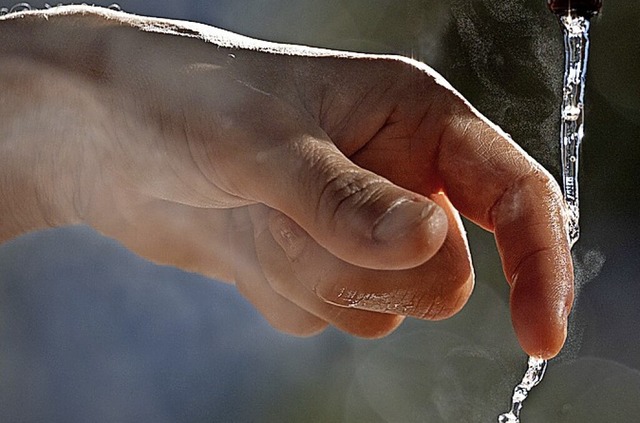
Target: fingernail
405,216
288,234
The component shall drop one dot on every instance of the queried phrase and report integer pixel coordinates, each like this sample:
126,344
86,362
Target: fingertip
542,340
404,215
365,324
385,324
541,299
406,235
409,233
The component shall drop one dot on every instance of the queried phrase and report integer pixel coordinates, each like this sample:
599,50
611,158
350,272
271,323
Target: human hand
326,185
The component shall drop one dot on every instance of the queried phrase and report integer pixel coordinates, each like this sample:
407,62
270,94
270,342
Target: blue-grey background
91,333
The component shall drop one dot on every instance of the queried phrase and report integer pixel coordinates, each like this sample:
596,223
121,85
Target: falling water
576,40
531,378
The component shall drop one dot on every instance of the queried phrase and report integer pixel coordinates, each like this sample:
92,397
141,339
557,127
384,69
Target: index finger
494,183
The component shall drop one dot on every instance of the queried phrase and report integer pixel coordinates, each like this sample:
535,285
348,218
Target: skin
327,186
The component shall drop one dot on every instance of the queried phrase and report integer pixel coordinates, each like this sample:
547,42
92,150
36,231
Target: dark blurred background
91,333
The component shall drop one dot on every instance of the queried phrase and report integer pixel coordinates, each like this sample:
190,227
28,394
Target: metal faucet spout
581,8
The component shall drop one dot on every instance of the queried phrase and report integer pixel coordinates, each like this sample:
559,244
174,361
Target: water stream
576,41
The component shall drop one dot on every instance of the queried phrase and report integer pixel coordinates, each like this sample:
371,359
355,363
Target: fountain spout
576,8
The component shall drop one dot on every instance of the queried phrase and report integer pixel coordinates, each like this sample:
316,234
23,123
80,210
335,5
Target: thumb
357,215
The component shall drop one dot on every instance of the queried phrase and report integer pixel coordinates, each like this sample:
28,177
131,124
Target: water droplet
20,7
508,418
571,113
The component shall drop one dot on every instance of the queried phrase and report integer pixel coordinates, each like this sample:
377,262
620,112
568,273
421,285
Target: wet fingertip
377,326
541,300
543,339
288,234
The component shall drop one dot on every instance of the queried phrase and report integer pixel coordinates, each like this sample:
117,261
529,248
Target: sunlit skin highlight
298,174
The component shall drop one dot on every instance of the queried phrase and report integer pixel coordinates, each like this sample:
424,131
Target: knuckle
348,190
535,188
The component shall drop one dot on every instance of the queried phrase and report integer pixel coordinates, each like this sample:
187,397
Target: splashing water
21,7
532,377
576,41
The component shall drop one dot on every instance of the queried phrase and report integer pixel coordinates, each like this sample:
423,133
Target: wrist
53,117
45,163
